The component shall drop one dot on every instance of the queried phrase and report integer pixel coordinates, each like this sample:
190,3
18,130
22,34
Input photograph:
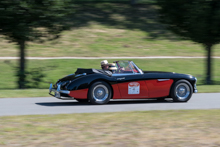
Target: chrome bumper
57,91
195,89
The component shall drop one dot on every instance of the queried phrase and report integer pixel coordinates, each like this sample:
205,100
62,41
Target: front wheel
181,91
99,93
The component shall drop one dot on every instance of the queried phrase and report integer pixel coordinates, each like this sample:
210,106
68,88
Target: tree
197,20
133,2
31,20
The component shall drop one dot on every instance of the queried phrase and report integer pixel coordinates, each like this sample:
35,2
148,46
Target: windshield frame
127,74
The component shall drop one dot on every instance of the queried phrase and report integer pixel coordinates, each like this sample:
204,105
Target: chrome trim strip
163,79
83,74
67,98
65,91
128,74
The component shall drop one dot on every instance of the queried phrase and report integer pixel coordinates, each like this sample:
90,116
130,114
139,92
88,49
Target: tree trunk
209,64
21,72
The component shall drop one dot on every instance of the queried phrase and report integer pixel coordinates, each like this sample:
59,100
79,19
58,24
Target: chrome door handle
121,78
163,79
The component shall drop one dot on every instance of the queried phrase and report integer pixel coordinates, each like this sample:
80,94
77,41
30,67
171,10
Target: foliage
34,76
32,20
197,20
116,1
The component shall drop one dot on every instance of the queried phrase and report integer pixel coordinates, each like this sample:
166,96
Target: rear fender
86,81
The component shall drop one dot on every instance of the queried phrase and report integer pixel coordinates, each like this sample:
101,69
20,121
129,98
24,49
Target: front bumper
195,88
58,92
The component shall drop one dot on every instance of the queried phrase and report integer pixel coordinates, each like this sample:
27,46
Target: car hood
162,74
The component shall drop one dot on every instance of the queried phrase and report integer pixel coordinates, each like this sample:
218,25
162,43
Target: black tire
99,93
82,100
181,91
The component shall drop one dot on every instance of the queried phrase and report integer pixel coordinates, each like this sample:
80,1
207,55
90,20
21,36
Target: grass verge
148,128
61,68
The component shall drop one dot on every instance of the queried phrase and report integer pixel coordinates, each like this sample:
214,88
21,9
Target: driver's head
104,64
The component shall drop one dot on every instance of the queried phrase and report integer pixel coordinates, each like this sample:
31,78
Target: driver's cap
104,62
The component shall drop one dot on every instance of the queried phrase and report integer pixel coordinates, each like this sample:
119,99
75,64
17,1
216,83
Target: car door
159,87
132,86
158,84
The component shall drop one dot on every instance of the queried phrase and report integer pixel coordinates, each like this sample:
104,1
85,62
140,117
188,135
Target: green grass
62,68
106,29
148,128
17,93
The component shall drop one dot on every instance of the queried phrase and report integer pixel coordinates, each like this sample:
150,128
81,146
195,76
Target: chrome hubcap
100,93
182,91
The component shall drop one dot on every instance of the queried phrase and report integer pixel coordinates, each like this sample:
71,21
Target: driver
104,65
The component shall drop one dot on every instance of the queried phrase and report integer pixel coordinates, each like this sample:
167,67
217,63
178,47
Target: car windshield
125,67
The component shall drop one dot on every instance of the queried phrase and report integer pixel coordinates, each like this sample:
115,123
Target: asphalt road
50,105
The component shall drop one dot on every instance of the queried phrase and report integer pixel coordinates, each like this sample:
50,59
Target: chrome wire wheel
182,91
100,93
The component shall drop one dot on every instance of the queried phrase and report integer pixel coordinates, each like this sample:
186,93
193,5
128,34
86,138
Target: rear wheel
181,91
99,93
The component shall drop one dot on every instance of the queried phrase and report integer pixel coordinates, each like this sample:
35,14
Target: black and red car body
128,82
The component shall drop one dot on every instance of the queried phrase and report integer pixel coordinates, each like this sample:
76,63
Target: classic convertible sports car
127,82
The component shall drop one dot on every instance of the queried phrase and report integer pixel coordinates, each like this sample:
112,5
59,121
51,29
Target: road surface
51,105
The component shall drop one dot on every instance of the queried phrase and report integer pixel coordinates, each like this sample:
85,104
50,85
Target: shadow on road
112,102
